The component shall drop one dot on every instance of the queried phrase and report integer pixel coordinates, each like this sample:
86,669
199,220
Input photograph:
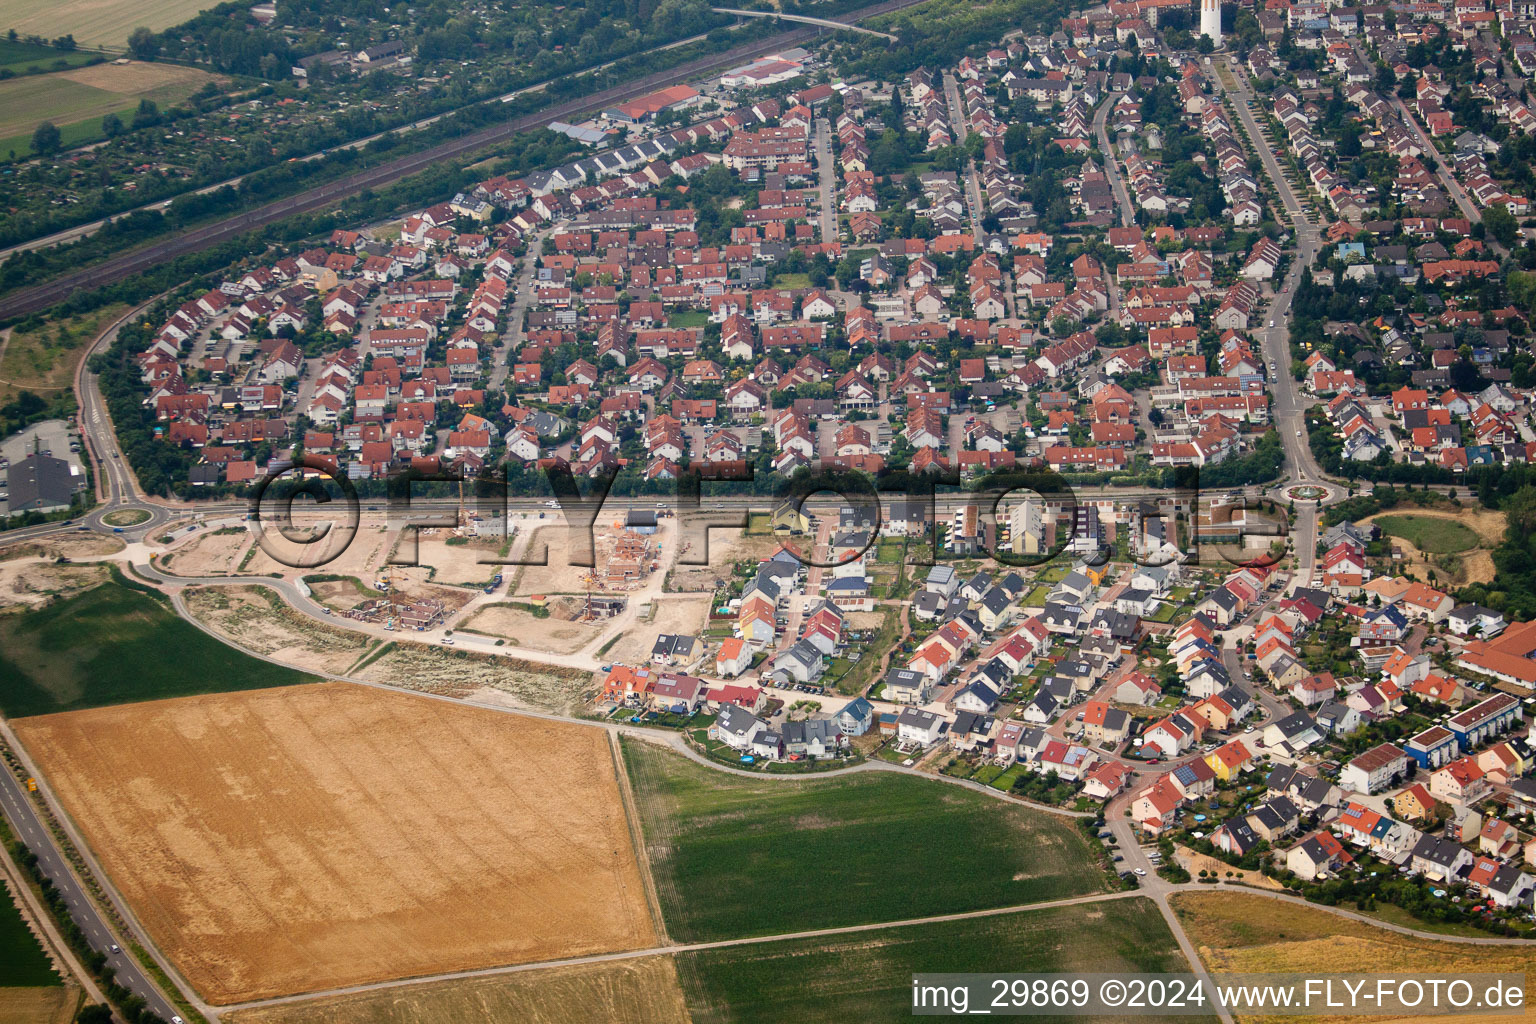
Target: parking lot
50,437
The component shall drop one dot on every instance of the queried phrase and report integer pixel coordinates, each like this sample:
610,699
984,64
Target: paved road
961,128
1289,405
826,181
1111,161
29,827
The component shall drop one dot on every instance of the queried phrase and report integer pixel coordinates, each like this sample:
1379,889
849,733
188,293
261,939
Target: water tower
1210,20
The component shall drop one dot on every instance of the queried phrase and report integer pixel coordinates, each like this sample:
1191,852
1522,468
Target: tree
1500,223
143,44
46,139
111,126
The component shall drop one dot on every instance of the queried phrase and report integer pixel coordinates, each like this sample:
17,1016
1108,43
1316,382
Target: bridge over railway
804,20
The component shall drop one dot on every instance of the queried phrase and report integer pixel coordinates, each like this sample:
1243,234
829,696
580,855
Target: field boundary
692,947
637,837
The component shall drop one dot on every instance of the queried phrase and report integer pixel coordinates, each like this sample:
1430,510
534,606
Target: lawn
1036,598
117,645
26,58
734,856
1430,534
688,318
792,281
867,976
23,964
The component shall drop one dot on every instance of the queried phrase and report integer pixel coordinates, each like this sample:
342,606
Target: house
918,728
1229,759
733,658
904,686
1316,855
856,717
738,728
1375,770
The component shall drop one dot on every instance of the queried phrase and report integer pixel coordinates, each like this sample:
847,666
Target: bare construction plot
306,838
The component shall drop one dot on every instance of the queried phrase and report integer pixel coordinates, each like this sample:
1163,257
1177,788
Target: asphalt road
30,829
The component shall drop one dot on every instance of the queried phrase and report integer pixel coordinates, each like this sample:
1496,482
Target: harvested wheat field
53,1005
1236,933
304,838
1463,568
640,991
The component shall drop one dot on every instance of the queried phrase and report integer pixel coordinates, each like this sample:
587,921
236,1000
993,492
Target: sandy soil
459,563
81,545
30,584
725,549
288,840
640,991
557,575
212,553
669,615
457,673
258,620
522,628
1476,565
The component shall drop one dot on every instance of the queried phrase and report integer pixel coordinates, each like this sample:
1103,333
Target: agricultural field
735,856
644,990
21,58
77,99
1236,933
98,22
305,838
31,991
41,357
116,644
867,976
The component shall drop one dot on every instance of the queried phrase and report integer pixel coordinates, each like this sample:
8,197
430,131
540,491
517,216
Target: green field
735,856
117,645
23,964
867,976
1430,534
76,100
24,58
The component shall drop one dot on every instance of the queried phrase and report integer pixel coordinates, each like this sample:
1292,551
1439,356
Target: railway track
40,296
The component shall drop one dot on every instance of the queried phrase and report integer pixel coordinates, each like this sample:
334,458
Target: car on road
1298,433
1271,323
115,948
446,640
1141,872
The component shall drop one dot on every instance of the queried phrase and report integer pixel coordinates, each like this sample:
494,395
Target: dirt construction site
312,837
256,619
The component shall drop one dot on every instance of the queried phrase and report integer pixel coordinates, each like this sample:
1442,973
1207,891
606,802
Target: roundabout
1307,492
